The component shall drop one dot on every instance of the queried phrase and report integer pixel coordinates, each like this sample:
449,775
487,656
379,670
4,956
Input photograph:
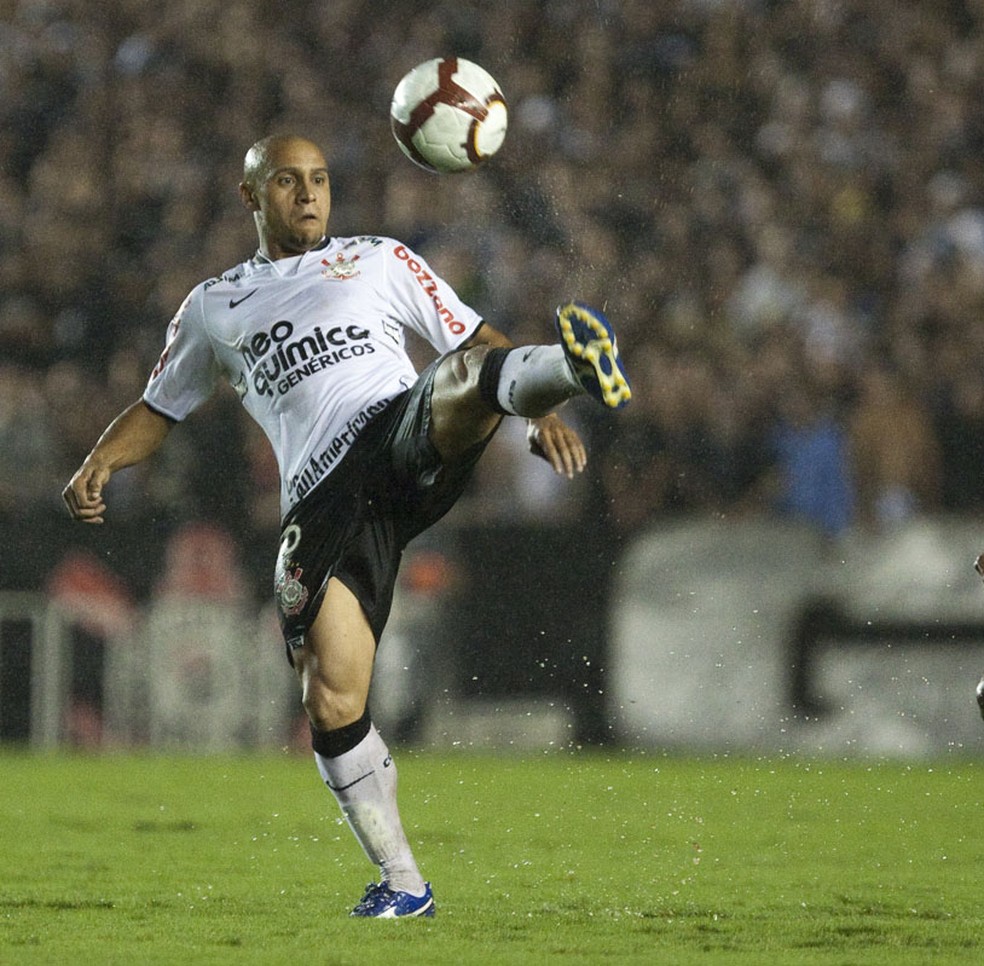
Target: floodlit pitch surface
581,857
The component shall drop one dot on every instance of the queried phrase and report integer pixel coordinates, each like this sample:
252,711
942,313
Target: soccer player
310,333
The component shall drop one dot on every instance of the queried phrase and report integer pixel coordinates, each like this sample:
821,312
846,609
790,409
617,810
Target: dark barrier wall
531,618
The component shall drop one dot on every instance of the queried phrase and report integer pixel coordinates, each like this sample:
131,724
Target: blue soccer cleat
382,902
589,341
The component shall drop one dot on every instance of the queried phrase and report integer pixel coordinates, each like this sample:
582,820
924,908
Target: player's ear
248,197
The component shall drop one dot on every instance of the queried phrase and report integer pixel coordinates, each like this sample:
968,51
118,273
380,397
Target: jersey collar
260,259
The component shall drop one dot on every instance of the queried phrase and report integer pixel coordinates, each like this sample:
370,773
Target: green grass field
586,857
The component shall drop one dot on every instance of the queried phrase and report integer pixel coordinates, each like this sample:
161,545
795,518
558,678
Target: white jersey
314,345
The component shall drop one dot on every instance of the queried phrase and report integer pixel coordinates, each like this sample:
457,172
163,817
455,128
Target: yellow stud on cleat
592,351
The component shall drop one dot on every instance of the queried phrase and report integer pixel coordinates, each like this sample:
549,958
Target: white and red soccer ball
448,115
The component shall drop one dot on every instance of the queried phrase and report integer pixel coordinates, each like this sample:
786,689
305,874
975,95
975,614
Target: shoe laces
375,891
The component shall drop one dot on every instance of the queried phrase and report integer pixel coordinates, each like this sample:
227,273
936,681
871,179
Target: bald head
262,158
285,186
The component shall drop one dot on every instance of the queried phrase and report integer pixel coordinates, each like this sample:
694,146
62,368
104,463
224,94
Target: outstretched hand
136,433
552,439
83,495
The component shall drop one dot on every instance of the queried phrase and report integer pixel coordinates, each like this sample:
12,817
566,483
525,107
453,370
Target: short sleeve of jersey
426,303
187,371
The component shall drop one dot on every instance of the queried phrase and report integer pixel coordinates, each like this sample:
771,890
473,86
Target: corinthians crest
290,593
341,267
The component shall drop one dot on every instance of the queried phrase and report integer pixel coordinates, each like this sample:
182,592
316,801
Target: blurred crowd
781,205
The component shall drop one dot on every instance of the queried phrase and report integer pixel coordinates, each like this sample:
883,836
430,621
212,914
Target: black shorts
390,486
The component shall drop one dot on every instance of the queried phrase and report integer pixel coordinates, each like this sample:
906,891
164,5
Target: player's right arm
182,380
134,435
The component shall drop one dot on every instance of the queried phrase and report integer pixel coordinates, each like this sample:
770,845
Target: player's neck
273,253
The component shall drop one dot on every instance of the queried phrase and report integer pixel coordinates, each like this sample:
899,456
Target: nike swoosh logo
234,302
342,788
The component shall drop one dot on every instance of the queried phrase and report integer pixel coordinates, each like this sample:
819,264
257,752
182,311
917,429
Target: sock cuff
488,379
331,744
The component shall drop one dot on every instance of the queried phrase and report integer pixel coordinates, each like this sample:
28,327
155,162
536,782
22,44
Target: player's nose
306,190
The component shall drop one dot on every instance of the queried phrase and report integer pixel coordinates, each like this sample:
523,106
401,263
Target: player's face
292,199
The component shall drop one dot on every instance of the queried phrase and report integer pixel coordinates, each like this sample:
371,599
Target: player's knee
474,374
329,710
462,368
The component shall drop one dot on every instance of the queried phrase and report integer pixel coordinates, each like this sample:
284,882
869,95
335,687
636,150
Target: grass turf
586,857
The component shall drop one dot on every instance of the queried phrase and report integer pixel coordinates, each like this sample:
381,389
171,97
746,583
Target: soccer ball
448,115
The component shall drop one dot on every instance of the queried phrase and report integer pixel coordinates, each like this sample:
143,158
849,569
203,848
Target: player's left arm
549,437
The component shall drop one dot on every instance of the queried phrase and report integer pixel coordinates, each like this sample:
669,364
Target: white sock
363,782
536,379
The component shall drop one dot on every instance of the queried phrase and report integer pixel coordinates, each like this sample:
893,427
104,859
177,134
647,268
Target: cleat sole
592,349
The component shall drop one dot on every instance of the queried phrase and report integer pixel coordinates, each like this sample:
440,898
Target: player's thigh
335,663
459,416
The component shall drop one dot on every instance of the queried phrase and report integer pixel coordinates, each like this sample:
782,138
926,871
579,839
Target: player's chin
309,231
303,239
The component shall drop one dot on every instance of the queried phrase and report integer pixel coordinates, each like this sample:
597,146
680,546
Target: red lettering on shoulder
429,284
